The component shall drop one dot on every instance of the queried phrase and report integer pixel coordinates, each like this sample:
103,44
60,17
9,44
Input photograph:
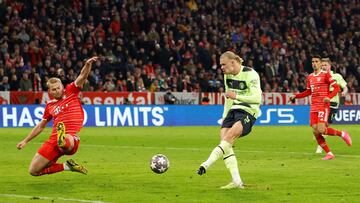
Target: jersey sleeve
330,79
72,89
308,83
228,102
254,89
47,116
340,80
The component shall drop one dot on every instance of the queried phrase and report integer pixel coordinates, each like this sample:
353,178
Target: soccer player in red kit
317,85
68,116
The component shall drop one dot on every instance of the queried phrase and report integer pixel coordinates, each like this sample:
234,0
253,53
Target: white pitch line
49,198
207,149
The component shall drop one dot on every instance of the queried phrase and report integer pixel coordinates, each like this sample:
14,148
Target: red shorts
52,151
320,116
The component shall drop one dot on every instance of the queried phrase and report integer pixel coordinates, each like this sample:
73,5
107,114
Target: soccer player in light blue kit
242,105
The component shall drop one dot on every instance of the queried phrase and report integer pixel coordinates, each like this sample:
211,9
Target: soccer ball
159,163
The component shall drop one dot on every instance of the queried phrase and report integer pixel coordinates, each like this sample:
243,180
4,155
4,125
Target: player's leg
343,134
69,144
71,164
325,130
320,127
216,153
41,165
315,118
230,158
331,117
332,114
49,153
222,148
64,141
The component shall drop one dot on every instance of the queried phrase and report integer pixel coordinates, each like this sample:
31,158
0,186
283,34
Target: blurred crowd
174,45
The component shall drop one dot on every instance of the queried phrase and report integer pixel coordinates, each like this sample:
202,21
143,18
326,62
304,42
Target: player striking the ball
241,108
68,116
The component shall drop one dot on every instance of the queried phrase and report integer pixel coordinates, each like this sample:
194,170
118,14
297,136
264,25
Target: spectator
14,84
127,101
205,101
109,85
4,84
169,98
37,82
25,83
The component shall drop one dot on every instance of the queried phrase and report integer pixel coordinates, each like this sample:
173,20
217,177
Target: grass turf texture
278,164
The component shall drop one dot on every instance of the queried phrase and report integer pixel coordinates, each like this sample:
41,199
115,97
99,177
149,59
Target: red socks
321,141
331,131
52,169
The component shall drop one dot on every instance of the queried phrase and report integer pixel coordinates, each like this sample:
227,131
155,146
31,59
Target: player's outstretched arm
342,83
85,71
34,132
303,94
334,92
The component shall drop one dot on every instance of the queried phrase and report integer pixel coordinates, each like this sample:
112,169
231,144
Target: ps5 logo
283,116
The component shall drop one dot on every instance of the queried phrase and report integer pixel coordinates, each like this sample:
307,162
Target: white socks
319,149
232,165
225,150
218,151
66,167
330,153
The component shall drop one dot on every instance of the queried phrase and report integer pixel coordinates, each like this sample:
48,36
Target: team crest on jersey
57,110
236,84
242,85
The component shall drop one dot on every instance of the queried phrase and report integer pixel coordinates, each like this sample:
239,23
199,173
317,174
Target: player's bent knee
68,147
322,130
34,173
230,137
315,131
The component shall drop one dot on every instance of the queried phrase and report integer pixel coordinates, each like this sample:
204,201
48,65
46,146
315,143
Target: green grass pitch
277,164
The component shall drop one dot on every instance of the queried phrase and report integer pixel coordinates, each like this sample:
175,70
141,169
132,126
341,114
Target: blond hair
232,56
52,81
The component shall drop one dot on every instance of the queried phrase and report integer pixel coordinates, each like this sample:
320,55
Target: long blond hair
232,56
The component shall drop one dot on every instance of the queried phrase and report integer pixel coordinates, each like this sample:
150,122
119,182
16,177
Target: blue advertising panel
348,115
112,115
168,115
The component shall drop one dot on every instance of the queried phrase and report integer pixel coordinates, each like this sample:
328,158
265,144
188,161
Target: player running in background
68,116
241,108
335,101
317,85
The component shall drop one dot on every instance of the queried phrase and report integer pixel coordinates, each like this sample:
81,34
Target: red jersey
318,85
67,110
